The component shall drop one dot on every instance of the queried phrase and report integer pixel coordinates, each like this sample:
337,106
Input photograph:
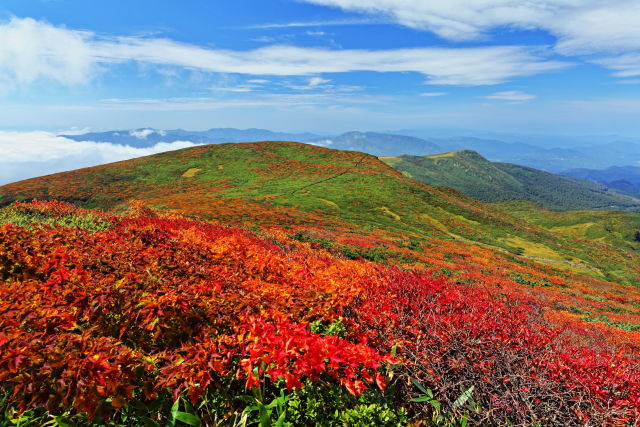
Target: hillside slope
284,183
475,176
616,228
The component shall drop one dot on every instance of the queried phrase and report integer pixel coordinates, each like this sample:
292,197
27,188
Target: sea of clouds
26,155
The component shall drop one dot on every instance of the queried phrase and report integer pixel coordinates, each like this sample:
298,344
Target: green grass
614,228
28,219
625,326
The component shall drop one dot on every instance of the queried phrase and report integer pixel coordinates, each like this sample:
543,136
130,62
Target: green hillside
475,176
620,229
279,183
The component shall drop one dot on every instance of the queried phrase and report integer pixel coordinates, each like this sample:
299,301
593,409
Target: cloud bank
32,50
57,154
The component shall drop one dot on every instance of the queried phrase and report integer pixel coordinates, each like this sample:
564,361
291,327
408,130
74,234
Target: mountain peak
467,154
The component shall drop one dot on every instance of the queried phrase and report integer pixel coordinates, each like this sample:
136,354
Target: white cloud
317,81
144,133
29,154
511,95
334,23
579,25
433,94
236,89
310,84
465,66
32,50
598,26
269,100
627,65
74,131
71,57
323,142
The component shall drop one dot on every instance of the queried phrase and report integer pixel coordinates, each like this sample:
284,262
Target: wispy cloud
237,89
273,100
627,65
433,94
310,84
468,66
629,82
610,106
32,50
512,96
303,24
579,25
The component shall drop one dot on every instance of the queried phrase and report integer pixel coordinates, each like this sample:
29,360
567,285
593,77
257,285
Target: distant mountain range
549,159
625,179
147,137
538,140
470,173
591,156
379,144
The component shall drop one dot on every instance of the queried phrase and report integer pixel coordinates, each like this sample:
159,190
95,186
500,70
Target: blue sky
565,67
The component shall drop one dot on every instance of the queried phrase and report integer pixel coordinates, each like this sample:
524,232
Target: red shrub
156,304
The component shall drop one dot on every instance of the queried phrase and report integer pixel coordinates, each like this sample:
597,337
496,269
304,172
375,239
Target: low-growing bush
156,321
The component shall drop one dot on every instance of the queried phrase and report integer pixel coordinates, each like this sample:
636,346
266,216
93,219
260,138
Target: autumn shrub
522,370
156,320
99,321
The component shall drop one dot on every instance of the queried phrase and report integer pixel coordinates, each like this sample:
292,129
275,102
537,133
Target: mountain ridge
536,154
378,144
147,137
625,179
477,177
